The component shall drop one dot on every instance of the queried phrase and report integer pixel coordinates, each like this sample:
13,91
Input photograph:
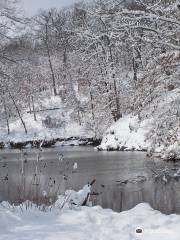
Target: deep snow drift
94,223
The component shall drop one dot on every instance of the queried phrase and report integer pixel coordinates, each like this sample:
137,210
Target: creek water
123,179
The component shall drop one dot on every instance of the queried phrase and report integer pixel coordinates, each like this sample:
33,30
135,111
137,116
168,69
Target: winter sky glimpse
32,6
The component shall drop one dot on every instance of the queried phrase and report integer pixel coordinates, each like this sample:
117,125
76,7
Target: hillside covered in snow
154,122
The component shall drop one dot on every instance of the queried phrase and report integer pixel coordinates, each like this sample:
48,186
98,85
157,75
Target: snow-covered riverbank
37,131
87,223
156,131
51,126
127,134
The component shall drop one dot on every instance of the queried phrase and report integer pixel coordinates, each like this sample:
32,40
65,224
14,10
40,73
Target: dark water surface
123,179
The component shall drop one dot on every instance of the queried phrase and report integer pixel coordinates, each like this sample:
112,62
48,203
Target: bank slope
127,134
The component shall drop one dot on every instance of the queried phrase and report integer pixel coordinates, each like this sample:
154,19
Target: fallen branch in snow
73,198
88,195
44,110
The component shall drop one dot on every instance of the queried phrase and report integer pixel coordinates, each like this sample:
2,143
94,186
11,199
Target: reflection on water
123,179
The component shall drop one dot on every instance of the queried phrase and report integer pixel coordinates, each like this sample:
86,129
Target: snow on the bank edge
36,130
127,134
87,223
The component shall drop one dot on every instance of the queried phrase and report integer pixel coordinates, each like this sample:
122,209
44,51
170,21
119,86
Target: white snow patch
87,223
127,133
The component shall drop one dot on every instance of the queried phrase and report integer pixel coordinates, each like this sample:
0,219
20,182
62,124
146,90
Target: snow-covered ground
38,131
86,223
127,134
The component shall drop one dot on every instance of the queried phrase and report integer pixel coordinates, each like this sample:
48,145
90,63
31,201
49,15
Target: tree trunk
34,112
91,99
134,64
6,114
17,109
50,62
29,104
118,113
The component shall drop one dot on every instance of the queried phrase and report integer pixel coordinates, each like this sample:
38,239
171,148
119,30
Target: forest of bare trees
123,55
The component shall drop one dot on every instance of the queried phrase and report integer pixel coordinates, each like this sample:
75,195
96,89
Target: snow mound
127,134
88,223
